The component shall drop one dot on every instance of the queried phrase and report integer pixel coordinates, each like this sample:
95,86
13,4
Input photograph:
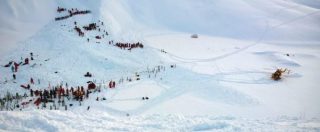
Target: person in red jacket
110,84
16,66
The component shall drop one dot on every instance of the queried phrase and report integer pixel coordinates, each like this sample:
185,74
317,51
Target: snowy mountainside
217,17
225,73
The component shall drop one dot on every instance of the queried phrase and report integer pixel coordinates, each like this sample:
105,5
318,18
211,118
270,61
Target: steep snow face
20,19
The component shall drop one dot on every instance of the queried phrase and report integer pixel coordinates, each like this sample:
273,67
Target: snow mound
283,59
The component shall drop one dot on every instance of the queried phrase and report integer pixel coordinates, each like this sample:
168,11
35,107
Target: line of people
59,92
129,46
71,12
155,70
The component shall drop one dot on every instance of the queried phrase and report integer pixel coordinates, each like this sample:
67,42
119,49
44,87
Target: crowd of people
41,98
91,26
63,94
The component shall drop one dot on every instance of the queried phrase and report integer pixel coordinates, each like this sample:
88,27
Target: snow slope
225,73
21,19
218,17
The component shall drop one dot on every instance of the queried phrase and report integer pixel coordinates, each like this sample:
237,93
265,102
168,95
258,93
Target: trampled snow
217,82
101,121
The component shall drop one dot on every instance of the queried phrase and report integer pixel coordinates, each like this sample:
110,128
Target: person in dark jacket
31,81
26,61
14,76
31,92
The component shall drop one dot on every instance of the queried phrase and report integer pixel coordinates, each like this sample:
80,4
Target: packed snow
218,81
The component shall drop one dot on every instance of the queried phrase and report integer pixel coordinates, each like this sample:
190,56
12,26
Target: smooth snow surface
221,81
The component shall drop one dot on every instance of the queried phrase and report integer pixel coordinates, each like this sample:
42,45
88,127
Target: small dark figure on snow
41,95
31,81
31,56
87,94
88,108
31,92
26,61
14,76
72,90
54,94
88,74
67,92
